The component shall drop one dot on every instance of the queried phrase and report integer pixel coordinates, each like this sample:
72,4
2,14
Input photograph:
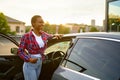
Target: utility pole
57,27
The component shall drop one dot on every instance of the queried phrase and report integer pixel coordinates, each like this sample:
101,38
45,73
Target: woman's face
38,24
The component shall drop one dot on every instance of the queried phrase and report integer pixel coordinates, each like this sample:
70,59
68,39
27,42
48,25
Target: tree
93,29
63,30
53,28
81,28
27,29
4,28
114,23
46,27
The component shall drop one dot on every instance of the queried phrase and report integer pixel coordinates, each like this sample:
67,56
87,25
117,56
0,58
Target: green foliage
49,28
63,30
4,28
27,29
52,29
114,22
46,27
12,33
93,29
81,28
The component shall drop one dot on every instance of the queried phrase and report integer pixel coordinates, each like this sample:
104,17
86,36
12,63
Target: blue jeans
32,71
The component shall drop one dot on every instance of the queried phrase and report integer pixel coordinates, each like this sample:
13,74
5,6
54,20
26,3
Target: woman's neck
37,32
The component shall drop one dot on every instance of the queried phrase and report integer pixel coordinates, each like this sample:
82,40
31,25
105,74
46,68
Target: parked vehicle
80,56
95,55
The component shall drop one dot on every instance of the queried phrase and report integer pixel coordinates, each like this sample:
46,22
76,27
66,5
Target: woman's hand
58,36
33,60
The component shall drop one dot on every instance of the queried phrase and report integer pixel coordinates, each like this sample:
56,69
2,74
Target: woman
35,43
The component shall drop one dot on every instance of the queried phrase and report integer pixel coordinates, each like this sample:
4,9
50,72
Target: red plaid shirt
29,43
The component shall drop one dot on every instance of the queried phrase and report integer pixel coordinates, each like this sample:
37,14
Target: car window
100,57
5,46
61,46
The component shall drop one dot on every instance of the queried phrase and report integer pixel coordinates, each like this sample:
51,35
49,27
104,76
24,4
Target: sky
55,11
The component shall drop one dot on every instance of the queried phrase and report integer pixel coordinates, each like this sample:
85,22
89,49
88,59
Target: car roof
68,37
113,35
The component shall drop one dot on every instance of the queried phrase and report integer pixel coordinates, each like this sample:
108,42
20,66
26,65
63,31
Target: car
94,54
86,56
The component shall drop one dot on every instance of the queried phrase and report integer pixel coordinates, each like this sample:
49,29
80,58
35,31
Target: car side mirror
14,50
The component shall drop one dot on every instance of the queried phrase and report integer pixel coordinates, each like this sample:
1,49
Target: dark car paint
11,65
114,37
11,69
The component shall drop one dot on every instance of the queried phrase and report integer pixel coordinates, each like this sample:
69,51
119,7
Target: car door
10,65
54,53
99,56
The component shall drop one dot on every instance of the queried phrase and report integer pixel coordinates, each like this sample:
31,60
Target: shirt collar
41,32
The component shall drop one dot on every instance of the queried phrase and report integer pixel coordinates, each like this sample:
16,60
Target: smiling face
37,23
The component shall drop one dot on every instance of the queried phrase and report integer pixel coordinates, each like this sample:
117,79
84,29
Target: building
16,25
73,27
93,22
